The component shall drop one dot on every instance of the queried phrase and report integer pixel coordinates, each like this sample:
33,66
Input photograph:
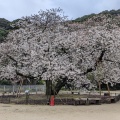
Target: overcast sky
13,9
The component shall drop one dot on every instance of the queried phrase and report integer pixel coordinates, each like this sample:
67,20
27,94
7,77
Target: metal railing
23,88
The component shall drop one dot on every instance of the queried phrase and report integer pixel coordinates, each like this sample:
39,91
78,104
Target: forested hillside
5,27
112,13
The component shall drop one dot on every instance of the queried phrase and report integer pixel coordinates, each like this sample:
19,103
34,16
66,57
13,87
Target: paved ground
38,112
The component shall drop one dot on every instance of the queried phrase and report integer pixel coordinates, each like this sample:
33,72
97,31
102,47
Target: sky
14,9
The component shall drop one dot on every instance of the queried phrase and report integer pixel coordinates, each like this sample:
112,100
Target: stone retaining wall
70,101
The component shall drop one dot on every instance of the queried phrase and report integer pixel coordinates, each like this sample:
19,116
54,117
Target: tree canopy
47,46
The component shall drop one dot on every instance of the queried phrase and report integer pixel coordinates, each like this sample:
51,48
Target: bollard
52,101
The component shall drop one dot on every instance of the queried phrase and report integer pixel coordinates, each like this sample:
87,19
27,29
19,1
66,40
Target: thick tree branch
112,61
23,75
10,57
100,58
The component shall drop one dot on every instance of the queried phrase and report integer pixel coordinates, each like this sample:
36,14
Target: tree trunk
48,87
108,89
19,89
99,83
54,90
61,83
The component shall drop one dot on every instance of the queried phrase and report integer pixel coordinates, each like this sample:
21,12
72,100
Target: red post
52,101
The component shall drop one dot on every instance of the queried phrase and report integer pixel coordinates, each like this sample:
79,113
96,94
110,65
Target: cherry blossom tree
47,46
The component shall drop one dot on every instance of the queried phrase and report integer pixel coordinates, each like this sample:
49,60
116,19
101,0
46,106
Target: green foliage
106,12
5,24
111,12
5,27
84,18
90,76
40,82
5,82
3,34
14,21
